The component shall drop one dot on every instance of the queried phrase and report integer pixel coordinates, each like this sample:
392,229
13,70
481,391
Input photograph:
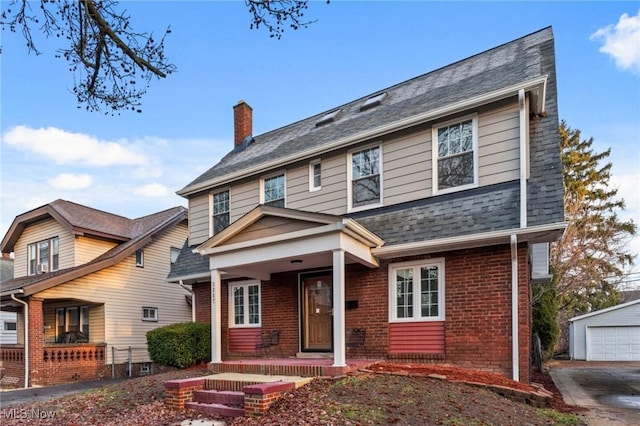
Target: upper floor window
456,154
366,182
273,192
244,303
140,258
43,256
315,175
221,216
416,291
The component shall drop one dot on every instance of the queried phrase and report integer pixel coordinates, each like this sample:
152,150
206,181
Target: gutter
26,334
373,133
193,300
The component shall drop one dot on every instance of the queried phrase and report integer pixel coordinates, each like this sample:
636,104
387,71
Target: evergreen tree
591,258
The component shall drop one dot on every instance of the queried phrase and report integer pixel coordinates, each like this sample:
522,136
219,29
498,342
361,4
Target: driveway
611,390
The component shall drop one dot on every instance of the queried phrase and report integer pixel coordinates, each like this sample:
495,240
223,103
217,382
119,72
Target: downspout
514,308
193,300
523,157
26,337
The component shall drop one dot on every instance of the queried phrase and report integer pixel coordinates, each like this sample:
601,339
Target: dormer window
373,101
43,256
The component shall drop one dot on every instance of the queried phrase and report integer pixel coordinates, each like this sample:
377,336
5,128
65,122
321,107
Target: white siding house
611,334
8,328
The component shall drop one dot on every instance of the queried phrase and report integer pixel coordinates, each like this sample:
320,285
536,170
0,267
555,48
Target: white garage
611,334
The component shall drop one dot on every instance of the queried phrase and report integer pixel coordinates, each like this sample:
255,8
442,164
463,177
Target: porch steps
235,382
215,402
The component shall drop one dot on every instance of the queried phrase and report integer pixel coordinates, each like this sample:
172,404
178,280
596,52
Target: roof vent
329,117
373,101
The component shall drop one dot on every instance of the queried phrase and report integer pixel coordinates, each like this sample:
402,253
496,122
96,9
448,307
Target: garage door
613,344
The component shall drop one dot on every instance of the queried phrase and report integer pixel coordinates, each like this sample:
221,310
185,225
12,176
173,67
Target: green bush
544,314
180,345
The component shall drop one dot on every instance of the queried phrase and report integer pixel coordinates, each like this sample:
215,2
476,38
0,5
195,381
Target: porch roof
272,239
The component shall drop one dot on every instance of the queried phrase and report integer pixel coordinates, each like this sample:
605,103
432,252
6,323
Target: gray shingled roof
485,209
494,69
136,232
189,264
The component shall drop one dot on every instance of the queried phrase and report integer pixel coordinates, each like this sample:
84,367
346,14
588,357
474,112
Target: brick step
215,409
219,397
233,385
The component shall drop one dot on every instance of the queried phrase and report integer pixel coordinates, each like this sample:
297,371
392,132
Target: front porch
304,367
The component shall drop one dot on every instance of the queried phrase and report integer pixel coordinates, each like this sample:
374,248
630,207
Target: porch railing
10,354
74,353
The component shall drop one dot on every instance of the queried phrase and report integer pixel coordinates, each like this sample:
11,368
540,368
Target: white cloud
71,181
73,148
152,190
622,42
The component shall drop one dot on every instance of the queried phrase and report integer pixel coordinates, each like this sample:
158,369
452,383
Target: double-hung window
221,217
244,304
416,291
365,174
273,191
455,155
43,256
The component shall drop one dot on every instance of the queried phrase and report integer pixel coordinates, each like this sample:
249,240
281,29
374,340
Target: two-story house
88,286
410,213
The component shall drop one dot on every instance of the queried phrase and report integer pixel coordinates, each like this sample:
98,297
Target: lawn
360,399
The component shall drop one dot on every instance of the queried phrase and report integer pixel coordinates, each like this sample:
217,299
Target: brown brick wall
477,308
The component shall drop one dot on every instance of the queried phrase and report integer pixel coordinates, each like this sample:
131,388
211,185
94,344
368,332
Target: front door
317,313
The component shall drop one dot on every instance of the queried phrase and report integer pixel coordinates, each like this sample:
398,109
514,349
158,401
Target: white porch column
339,347
216,317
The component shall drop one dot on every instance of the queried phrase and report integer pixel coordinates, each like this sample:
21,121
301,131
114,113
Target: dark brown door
317,313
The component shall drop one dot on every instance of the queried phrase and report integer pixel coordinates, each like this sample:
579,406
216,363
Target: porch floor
304,367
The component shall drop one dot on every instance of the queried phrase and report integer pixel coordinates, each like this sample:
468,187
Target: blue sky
132,164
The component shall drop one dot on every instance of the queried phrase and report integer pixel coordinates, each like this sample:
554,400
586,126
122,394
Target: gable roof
605,310
133,234
78,219
492,75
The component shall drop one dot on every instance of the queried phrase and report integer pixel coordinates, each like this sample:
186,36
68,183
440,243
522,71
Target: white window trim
149,319
312,164
244,284
434,150
270,175
350,207
139,264
439,262
36,254
211,199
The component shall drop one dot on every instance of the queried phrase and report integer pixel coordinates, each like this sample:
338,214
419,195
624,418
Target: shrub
180,345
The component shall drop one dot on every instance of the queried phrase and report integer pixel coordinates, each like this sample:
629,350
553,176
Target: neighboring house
410,213
8,320
611,334
82,270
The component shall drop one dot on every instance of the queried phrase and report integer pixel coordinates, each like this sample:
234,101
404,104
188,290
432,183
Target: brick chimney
242,122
